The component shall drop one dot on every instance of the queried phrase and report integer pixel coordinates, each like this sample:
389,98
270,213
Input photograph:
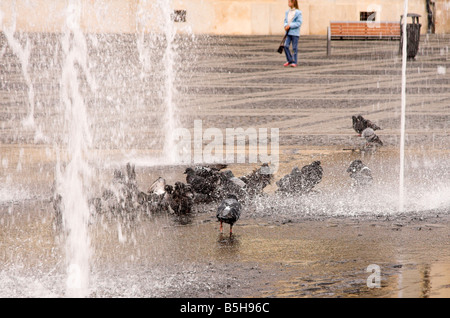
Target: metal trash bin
412,35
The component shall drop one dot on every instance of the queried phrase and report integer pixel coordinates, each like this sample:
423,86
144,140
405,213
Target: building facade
221,17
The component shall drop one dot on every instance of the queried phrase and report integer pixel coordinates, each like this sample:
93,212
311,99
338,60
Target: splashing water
75,177
162,34
169,88
403,114
23,53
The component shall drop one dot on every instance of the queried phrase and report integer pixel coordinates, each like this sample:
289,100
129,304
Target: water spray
403,113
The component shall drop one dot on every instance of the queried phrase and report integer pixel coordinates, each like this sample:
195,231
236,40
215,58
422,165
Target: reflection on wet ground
313,257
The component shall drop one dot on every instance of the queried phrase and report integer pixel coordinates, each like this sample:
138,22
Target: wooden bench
340,30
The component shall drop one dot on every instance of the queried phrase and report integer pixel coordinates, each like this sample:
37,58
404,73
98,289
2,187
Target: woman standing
292,23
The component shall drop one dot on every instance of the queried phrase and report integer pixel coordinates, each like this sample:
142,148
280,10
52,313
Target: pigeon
301,180
257,180
158,187
290,182
123,196
372,140
180,198
228,183
156,196
360,123
203,182
229,212
208,170
311,175
360,173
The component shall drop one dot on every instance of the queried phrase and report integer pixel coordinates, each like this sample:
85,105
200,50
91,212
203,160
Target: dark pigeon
257,180
207,171
228,183
203,182
301,181
311,176
229,212
180,198
290,182
360,123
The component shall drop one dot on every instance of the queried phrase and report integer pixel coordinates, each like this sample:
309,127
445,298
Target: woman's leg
295,48
287,51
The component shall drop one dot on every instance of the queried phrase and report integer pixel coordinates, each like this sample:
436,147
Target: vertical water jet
75,176
403,113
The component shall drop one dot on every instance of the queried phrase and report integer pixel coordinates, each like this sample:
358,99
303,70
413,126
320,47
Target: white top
291,15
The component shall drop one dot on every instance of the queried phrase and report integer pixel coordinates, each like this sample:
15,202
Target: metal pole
403,113
328,41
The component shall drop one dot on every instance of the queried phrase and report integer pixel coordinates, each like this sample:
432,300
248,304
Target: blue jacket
295,24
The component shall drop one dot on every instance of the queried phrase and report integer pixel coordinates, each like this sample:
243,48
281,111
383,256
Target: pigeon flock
215,184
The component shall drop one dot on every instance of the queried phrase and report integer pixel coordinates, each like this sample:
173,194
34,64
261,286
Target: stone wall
226,17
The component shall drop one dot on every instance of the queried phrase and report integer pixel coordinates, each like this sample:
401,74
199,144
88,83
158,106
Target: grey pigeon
361,174
372,140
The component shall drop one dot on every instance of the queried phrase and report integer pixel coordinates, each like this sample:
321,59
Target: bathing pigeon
290,182
360,123
158,187
228,183
207,171
180,198
301,180
311,176
156,197
361,174
257,180
203,183
229,212
122,197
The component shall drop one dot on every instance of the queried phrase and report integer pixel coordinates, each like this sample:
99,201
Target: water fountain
87,103
73,182
403,115
76,125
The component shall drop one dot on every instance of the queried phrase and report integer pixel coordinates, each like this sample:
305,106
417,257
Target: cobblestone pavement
233,82
313,103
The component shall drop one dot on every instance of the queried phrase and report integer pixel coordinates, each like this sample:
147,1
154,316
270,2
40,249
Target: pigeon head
265,169
189,171
356,165
368,132
295,170
168,188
